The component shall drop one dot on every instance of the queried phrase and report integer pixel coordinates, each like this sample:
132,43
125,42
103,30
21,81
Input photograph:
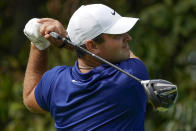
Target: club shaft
66,41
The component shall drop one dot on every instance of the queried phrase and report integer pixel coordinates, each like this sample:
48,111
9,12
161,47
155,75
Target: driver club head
161,93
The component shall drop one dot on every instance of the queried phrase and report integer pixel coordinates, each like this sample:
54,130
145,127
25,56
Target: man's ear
91,46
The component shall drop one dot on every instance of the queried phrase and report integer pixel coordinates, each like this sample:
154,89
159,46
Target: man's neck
87,63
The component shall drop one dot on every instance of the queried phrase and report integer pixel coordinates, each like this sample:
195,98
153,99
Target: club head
161,93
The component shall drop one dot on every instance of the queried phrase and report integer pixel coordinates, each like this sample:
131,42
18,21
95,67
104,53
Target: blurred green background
164,38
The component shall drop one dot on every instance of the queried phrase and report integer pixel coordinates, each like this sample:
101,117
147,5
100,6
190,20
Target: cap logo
113,13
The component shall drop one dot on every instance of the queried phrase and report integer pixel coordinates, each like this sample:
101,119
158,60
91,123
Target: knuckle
42,30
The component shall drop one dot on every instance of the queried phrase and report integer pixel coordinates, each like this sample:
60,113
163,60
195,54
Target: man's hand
32,32
37,31
51,25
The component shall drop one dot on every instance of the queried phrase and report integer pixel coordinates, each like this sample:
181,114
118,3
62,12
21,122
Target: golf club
161,93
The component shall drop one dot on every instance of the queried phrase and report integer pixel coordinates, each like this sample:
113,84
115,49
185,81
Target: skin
117,44
114,49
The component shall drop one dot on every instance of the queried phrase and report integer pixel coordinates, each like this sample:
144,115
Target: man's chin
122,59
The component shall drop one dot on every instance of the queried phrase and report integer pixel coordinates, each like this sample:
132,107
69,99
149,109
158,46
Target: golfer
89,95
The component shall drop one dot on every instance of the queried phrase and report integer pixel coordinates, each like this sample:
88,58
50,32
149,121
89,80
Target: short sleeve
43,90
140,70
135,67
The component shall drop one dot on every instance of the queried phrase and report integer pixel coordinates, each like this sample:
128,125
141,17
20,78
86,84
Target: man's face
115,48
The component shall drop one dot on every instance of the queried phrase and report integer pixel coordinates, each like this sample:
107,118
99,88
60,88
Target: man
90,95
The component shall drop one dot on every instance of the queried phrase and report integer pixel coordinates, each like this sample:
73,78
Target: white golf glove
31,30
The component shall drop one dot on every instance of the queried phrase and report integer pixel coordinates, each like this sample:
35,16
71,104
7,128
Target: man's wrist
35,48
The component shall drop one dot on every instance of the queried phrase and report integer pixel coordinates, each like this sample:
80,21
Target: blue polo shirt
103,99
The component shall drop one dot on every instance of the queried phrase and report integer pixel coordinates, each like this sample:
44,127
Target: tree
163,39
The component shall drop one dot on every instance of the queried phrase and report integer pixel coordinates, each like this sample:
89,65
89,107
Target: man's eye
117,36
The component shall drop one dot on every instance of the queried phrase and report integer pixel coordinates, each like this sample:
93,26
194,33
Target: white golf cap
89,21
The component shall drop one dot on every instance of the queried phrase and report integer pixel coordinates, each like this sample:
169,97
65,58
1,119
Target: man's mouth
125,45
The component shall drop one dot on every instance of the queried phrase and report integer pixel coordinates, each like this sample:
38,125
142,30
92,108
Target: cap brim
123,25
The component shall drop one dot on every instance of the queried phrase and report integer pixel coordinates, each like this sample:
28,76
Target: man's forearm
37,65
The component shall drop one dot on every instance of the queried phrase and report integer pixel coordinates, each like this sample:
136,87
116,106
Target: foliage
163,39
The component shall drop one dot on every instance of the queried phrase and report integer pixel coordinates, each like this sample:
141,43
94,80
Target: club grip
55,35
